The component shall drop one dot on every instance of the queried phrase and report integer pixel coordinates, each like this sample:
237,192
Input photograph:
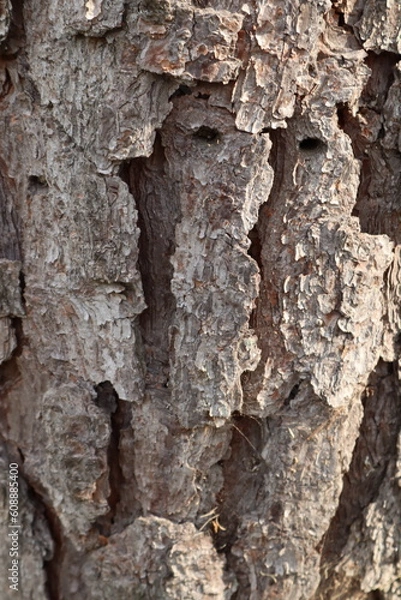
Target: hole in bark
203,96
15,40
36,182
341,19
310,144
376,595
106,397
255,248
182,90
22,288
209,134
292,394
340,15
19,334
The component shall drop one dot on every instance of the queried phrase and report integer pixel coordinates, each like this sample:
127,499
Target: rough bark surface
200,289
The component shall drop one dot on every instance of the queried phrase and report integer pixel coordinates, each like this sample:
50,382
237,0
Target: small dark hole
376,595
106,397
208,134
310,144
265,130
182,90
292,394
203,96
37,182
341,19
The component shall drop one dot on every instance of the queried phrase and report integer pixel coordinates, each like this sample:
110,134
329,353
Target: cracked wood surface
200,267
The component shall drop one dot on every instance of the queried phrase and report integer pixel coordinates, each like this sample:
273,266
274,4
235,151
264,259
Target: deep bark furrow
377,205
108,401
374,448
158,214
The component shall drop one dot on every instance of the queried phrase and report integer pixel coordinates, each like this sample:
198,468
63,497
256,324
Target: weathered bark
200,267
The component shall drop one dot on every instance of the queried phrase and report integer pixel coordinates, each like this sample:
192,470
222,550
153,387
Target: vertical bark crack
158,213
243,473
257,239
377,205
375,446
120,420
51,565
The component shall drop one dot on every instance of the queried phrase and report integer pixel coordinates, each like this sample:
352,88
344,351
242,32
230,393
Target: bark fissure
158,214
108,400
377,208
257,240
243,473
52,565
374,448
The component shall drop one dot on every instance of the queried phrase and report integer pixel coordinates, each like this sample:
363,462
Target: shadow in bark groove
256,233
158,214
243,473
52,567
120,416
16,34
44,512
375,446
377,204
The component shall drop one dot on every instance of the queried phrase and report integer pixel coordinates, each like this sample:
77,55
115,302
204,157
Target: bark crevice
52,565
376,205
108,400
243,473
158,214
374,448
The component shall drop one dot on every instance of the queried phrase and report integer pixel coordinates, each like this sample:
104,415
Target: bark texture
200,289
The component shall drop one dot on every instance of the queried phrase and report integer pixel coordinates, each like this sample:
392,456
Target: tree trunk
200,268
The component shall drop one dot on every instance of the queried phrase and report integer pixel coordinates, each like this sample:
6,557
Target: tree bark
200,268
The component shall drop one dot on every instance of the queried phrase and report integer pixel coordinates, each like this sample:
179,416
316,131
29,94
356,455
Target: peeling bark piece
158,559
114,126
93,335
90,17
285,36
177,459
299,485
